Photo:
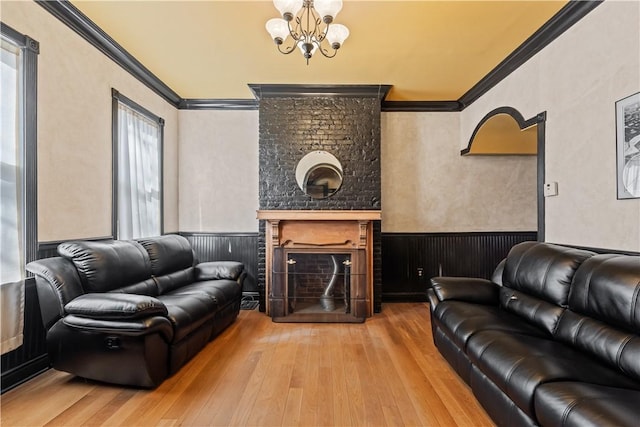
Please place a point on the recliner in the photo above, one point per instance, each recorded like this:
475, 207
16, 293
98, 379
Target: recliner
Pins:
556, 328
133, 312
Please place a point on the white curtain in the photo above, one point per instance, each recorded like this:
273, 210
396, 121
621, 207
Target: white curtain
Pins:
138, 175
12, 261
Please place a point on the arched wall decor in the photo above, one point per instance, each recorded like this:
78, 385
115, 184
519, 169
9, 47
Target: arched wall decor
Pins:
536, 124
503, 131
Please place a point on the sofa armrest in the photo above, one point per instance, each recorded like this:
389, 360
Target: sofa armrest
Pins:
469, 289
115, 306
215, 270
126, 327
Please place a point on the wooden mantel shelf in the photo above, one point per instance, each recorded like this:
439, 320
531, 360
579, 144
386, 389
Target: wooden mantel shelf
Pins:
319, 215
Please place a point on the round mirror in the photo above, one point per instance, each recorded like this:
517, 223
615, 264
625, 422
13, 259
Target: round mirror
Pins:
319, 174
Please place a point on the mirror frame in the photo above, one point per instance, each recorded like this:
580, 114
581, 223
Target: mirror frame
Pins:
311, 162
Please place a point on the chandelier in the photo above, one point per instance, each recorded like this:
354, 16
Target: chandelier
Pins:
309, 23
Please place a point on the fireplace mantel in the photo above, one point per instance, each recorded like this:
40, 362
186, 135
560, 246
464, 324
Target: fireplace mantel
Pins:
320, 215
318, 230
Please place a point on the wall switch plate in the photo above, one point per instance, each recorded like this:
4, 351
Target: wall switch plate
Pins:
550, 189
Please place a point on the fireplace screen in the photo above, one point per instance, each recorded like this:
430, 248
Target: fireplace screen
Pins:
316, 286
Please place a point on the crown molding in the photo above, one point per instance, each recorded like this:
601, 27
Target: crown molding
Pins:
421, 106
310, 90
218, 104
571, 13
89, 30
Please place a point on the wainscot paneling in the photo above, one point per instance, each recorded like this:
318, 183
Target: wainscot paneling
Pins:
409, 260
31, 357
242, 247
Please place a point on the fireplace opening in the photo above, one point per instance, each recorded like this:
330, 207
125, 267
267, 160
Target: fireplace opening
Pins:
317, 286
318, 283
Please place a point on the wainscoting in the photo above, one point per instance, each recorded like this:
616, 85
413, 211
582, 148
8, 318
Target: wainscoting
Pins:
242, 247
31, 358
409, 260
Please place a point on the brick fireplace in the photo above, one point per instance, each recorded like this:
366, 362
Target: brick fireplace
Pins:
343, 120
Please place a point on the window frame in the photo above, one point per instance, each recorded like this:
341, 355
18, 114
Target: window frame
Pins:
117, 98
30, 49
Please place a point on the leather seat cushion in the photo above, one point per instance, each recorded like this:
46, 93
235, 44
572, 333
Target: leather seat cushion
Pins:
574, 404
460, 320
188, 311
518, 364
222, 291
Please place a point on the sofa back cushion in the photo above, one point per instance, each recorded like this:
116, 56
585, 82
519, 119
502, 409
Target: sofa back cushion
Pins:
172, 261
604, 311
108, 266
536, 281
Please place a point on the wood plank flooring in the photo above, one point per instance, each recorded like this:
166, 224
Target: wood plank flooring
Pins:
384, 372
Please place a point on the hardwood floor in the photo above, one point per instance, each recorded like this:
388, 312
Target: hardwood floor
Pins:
384, 372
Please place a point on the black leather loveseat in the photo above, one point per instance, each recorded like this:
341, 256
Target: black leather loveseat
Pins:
552, 340
133, 312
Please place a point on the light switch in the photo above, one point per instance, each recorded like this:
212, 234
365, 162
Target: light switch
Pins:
550, 189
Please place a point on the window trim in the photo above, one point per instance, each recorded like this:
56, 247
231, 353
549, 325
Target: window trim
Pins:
30, 49
117, 97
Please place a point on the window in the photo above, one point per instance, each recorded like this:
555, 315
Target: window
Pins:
137, 154
18, 221
18, 58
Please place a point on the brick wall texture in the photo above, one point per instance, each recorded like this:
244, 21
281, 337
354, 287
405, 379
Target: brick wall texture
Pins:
348, 128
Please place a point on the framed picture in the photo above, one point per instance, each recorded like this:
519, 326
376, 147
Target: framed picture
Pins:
628, 146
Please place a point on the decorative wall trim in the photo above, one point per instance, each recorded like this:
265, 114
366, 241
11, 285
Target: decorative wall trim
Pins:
313, 91
31, 357
409, 260
218, 104
91, 32
510, 111
571, 13
421, 106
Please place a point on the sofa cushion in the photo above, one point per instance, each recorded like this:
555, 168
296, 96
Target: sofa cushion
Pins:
543, 270
188, 311
518, 364
460, 320
109, 265
576, 404
617, 348
172, 261
214, 270
111, 306
604, 315
536, 281
607, 287
534, 310
168, 253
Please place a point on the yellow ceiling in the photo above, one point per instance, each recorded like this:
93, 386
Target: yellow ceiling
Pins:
427, 50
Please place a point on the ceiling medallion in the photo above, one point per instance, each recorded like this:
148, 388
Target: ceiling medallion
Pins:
309, 23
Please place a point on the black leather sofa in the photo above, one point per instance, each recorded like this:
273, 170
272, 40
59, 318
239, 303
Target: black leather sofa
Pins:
133, 312
552, 340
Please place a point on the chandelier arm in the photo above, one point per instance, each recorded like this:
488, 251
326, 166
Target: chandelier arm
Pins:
326, 53
288, 50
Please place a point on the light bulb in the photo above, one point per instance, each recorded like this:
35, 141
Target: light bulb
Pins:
278, 28
328, 8
288, 8
337, 34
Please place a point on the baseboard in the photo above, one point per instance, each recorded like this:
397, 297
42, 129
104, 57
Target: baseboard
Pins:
404, 297
23, 373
